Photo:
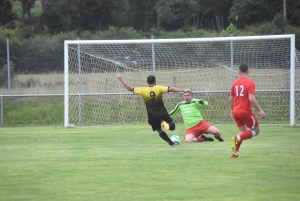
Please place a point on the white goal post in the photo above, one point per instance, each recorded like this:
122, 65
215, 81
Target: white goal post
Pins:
93, 96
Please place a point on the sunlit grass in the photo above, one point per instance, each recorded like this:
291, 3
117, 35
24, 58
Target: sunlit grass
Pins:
134, 163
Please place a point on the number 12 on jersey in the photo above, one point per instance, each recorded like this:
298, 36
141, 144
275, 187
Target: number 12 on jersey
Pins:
239, 90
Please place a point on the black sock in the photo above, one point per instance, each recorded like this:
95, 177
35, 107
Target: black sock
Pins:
166, 138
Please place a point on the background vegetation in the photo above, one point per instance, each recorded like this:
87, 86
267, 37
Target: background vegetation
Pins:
37, 29
29, 18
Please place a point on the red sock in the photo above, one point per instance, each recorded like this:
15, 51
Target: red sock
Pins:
199, 139
246, 135
238, 145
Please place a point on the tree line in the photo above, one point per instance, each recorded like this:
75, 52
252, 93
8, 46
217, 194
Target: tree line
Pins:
57, 16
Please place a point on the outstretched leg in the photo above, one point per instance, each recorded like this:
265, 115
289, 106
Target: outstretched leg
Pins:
165, 137
168, 125
213, 130
193, 138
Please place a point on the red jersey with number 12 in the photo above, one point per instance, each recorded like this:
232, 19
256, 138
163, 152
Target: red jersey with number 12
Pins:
240, 90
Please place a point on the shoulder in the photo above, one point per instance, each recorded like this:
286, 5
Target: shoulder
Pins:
180, 103
137, 89
162, 88
140, 90
249, 82
180, 106
235, 81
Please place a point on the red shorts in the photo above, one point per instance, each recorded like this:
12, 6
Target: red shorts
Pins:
198, 129
250, 121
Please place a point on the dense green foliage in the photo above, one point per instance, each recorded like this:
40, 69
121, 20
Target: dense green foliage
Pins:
132, 163
56, 16
7, 16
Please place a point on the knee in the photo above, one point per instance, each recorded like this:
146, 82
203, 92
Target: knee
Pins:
257, 130
215, 131
188, 138
172, 126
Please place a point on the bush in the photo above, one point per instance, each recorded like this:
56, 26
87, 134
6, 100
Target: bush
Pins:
116, 33
4, 75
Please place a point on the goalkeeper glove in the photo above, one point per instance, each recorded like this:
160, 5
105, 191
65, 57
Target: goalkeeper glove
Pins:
201, 102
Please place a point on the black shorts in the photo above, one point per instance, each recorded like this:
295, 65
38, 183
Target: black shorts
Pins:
156, 123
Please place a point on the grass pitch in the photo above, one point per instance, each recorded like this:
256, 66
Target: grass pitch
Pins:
134, 163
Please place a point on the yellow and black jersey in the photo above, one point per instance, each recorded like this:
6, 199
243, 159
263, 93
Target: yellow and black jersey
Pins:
154, 100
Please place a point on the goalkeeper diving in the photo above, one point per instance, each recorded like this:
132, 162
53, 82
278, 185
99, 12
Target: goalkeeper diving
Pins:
196, 126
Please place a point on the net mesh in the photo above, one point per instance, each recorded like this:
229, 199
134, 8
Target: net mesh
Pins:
96, 97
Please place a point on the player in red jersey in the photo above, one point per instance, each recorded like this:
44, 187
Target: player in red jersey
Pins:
241, 101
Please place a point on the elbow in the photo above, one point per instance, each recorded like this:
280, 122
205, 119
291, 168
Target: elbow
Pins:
252, 98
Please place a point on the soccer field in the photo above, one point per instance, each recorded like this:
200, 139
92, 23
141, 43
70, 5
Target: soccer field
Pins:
133, 163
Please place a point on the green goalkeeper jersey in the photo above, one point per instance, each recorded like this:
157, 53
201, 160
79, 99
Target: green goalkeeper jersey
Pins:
190, 112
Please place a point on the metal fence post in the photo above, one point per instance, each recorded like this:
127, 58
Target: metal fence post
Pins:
1, 108
231, 60
8, 66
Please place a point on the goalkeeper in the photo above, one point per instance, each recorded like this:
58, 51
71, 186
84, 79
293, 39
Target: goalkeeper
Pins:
195, 124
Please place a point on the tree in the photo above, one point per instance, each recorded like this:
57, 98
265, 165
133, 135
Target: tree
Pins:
177, 14
186, 11
293, 12
26, 7
213, 14
56, 15
7, 17
68, 15
248, 12
141, 14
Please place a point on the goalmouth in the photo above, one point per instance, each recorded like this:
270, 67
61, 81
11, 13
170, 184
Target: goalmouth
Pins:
93, 96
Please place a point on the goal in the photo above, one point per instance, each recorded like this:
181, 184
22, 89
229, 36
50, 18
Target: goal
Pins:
93, 96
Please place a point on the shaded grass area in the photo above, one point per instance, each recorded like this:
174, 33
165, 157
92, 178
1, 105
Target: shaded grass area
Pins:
133, 163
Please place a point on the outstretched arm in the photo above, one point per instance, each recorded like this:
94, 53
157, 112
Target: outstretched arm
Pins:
175, 89
126, 85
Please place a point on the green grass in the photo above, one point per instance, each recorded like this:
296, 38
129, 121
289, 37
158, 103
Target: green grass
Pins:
32, 111
133, 163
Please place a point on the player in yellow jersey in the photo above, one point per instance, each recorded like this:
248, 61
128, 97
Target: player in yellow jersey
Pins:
156, 110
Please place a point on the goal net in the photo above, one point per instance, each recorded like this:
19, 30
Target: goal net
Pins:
93, 95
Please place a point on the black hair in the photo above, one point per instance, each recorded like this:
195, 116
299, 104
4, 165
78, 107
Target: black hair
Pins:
151, 79
243, 68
